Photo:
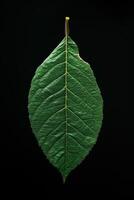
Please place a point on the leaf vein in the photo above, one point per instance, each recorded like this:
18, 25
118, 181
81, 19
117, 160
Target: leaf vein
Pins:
79, 98
51, 132
78, 142
53, 144
50, 117
80, 72
81, 120
82, 86
77, 130
49, 97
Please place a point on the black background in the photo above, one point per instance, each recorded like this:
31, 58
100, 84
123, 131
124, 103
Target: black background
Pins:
30, 31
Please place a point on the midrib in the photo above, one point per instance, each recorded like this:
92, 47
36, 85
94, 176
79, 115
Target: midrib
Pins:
66, 54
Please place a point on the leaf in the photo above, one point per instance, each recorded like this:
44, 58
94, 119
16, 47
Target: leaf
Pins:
65, 106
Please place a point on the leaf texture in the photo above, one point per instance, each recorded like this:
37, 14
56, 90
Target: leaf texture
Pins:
65, 107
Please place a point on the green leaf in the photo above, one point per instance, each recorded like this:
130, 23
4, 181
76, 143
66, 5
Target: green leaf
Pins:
65, 107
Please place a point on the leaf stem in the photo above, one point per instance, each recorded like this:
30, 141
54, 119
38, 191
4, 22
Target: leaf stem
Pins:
66, 26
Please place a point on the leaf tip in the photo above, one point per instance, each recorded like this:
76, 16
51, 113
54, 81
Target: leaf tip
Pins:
64, 179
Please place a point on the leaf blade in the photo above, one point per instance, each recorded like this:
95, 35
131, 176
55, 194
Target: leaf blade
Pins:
65, 107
